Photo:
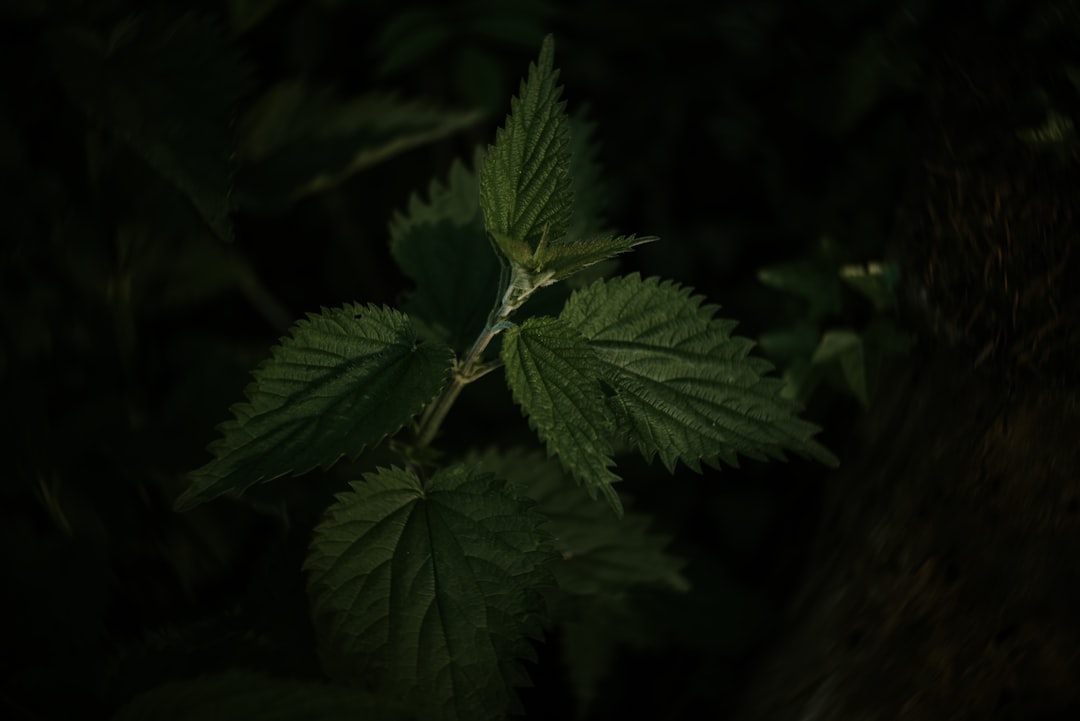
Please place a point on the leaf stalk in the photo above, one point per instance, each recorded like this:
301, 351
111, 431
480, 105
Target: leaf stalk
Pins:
522, 284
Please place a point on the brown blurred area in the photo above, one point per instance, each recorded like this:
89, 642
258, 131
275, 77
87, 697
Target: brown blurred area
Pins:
945, 582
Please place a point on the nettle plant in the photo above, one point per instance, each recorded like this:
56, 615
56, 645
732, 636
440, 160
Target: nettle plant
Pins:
428, 581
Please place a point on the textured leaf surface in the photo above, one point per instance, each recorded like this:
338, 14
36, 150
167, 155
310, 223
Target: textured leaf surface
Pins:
298, 140
441, 245
525, 185
429, 592
166, 88
602, 561
685, 388
345, 378
555, 378
601, 555
249, 695
564, 258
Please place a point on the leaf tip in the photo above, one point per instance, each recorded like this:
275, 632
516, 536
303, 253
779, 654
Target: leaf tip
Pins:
612, 497
547, 52
826, 456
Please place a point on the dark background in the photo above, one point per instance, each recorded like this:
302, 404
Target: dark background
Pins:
744, 134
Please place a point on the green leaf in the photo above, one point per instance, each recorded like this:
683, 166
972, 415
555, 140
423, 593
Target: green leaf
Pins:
442, 247
298, 140
786, 345
563, 259
243, 694
457, 201
601, 555
555, 378
525, 184
684, 387
801, 379
167, 89
345, 378
845, 347
808, 281
527, 188
430, 591
602, 562
857, 355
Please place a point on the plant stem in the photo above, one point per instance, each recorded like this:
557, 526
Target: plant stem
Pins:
436, 412
521, 286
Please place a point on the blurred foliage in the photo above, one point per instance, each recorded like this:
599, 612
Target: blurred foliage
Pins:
811, 349
136, 138
463, 40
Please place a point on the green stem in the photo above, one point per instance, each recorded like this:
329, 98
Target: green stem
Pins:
520, 287
436, 412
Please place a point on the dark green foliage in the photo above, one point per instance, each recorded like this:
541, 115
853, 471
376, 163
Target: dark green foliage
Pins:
428, 590
810, 351
426, 587
601, 555
133, 138
460, 44
168, 87
684, 387
555, 378
297, 140
526, 190
441, 245
345, 379
604, 561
